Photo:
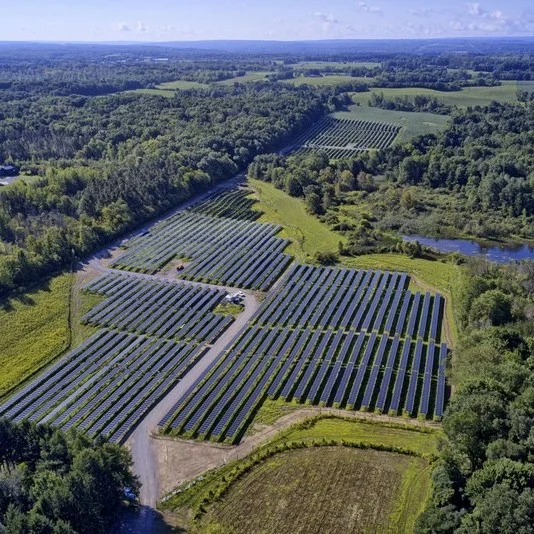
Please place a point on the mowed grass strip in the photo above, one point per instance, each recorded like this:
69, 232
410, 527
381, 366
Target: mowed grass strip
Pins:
329, 79
35, 329
308, 234
324, 489
420, 440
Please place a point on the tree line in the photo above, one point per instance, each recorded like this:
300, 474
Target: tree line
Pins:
60, 483
484, 479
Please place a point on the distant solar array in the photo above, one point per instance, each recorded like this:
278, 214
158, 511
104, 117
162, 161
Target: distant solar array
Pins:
157, 331
223, 251
335, 337
343, 138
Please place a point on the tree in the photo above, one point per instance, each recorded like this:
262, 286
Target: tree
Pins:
492, 307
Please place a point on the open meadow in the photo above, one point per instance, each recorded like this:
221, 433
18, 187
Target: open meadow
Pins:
468, 96
325, 489
35, 329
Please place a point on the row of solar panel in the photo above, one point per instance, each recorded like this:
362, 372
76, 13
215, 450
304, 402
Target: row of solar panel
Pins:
224, 251
351, 370
345, 298
106, 385
161, 309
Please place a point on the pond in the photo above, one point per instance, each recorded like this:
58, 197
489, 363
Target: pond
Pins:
496, 253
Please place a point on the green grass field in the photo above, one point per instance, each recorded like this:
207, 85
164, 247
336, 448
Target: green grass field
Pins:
326, 489
412, 123
307, 233
37, 329
181, 84
468, 96
330, 79
34, 330
252, 76
406, 493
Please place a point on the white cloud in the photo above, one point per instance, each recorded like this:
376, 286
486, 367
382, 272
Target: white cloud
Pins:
422, 12
123, 27
141, 27
326, 18
473, 8
370, 9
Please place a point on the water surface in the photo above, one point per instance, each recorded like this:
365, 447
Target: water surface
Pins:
496, 253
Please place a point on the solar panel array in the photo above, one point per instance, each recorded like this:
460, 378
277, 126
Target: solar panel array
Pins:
219, 250
156, 331
344, 138
157, 308
234, 204
335, 337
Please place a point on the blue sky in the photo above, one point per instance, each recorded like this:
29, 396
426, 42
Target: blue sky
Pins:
166, 20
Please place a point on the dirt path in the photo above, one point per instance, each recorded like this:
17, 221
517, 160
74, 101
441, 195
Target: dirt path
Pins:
181, 460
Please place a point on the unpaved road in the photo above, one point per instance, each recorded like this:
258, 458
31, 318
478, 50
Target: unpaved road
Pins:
141, 443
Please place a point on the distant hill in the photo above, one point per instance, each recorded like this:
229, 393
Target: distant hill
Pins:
352, 47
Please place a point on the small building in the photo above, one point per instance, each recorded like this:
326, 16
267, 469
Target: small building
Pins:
8, 170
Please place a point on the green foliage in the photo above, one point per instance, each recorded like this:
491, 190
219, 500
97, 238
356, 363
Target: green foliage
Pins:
60, 483
485, 479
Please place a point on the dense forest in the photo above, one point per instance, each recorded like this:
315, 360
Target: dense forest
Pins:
103, 165
53, 482
484, 480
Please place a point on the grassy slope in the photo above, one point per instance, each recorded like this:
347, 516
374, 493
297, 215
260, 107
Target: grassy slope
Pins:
340, 489
307, 233
34, 330
468, 96
413, 123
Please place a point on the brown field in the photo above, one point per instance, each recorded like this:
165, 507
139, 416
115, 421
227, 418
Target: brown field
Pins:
324, 490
